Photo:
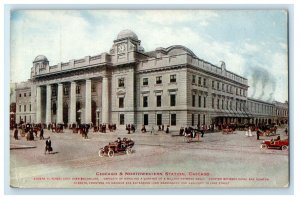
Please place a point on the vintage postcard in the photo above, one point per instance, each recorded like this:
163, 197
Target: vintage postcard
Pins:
149, 99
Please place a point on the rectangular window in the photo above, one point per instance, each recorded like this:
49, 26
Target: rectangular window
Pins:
159, 119
236, 106
213, 103
121, 102
20, 108
240, 91
20, 95
223, 87
93, 88
199, 101
66, 90
227, 88
173, 119
198, 119
24, 108
204, 120
159, 80
121, 82
24, 94
199, 81
145, 119
204, 102
145, 101
122, 119
227, 105
218, 103
213, 84
29, 94
192, 119
193, 100
204, 82
218, 86
145, 81
158, 100
222, 104
172, 78
25, 119
77, 89
172, 100
29, 107
194, 79
230, 105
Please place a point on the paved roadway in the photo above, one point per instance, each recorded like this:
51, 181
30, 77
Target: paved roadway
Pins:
218, 157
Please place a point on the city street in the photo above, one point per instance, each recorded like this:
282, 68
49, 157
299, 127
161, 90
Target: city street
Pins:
216, 160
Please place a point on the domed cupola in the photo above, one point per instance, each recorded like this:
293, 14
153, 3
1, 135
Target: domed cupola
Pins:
124, 34
40, 64
125, 47
40, 58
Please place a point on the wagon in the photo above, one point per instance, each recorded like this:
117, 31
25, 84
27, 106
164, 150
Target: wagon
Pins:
277, 144
124, 146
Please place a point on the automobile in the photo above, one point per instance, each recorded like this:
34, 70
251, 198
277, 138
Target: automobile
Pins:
117, 146
275, 143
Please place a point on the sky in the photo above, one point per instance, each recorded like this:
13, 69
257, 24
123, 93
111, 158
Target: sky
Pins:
252, 43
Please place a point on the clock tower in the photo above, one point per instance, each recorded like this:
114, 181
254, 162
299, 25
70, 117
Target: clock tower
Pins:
125, 47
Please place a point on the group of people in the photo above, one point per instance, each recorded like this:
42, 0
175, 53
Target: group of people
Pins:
82, 129
58, 128
130, 128
30, 131
102, 128
160, 128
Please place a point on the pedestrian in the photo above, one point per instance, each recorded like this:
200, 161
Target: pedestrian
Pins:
86, 131
143, 129
48, 147
167, 130
152, 130
202, 131
249, 132
286, 131
16, 134
41, 134
257, 134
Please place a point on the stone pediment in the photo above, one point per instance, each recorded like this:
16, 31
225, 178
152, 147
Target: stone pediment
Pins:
121, 92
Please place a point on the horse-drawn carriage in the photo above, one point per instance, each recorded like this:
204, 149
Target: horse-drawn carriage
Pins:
268, 130
191, 135
229, 129
119, 145
275, 143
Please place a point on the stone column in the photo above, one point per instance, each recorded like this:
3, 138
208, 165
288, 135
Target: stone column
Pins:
48, 104
60, 104
105, 99
72, 118
88, 101
38, 104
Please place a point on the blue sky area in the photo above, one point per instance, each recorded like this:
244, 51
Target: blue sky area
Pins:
251, 43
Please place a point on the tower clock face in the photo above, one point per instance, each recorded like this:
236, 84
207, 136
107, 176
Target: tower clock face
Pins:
121, 48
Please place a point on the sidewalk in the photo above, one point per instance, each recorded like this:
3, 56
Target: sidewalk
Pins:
19, 146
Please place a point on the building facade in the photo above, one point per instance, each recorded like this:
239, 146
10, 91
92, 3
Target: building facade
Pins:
127, 85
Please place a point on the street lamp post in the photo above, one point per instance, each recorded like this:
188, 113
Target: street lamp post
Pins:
79, 118
98, 119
